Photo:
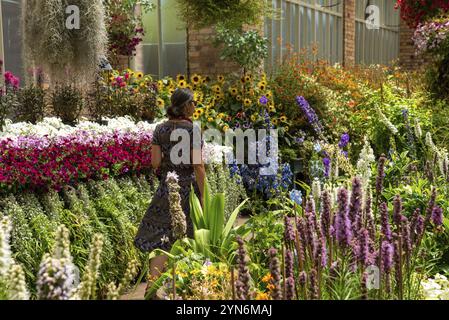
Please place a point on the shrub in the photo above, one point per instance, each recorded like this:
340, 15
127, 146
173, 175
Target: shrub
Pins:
67, 103
31, 105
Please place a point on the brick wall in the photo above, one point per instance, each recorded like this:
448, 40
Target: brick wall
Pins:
407, 57
349, 32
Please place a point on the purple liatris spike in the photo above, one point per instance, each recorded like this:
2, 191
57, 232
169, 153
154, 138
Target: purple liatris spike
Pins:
314, 285
323, 252
302, 279
419, 228
365, 256
430, 206
397, 210
380, 176
289, 233
326, 214
385, 224
302, 231
355, 207
342, 222
437, 216
387, 256
243, 282
275, 269
289, 273
310, 233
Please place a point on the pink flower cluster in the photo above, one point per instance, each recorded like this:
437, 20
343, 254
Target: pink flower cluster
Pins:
11, 80
40, 163
429, 36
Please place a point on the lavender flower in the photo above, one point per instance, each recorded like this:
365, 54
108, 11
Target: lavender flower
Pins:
342, 222
364, 251
355, 207
327, 167
275, 269
437, 216
310, 114
326, 214
314, 285
344, 141
397, 211
243, 282
430, 206
289, 234
263, 100
419, 228
289, 273
385, 224
387, 256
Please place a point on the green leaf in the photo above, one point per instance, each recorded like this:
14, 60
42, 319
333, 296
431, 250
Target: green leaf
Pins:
216, 218
196, 212
232, 219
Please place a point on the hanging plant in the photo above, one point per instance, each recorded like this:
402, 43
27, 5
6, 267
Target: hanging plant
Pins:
233, 14
61, 52
124, 27
415, 12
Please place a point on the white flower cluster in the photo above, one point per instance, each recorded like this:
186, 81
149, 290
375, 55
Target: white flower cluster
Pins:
387, 122
366, 159
436, 289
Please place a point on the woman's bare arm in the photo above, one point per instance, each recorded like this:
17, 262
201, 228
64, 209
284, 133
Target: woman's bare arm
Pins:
156, 156
200, 173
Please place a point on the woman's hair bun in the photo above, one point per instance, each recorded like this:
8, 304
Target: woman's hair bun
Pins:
179, 99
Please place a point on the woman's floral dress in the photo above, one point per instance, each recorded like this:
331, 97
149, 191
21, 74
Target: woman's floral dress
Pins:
155, 231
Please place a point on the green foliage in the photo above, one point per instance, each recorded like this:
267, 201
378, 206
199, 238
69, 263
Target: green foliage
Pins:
233, 14
67, 103
31, 104
8, 102
247, 49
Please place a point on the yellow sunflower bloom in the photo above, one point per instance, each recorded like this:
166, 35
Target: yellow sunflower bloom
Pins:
221, 78
196, 79
196, 116
283, 119
247, 102
139, 75
160, 103
171, 90
275, 121
286, 128
248, 78
221, 116
269, 94
262, 85
200, 111
182, 84
233, 91
216, 89
239, 98
180, 77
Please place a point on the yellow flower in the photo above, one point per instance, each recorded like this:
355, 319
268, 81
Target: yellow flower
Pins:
171, 90
139, 75
286, 128
216, 89
180, 77
136, 90
239, 98
233, 91
271, 109
262, 85
142, 84
210, 119
221, 116
283, 119
262, 296
267, 278
225, 128
269, 94
248, 78
200, 111
182, 84
275, 121
251, 92
221, 78
196, 116
247, 102
189, 87
196, 79
160, 103
253, 118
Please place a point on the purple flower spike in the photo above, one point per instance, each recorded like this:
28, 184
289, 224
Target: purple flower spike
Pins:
310, 114
289, 234
355, 207
385, 224
437, 216
387, 256
342, 222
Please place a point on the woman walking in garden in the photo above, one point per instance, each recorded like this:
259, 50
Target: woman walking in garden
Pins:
155, 231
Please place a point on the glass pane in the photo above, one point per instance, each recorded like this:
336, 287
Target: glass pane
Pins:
11, 38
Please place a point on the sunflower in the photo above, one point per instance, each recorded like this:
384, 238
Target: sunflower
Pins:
139, 75
196, 79
275, 121
239, 98
171, 90
182, 84
283, 119
233, 91
180, 77
248, 78
247, 102
216, 89
262, 85
210, 119
200, 111
271, 109
196, 116
221, 78
142, 84
286, 128
253, 118
220, 115
160, 103
189, 87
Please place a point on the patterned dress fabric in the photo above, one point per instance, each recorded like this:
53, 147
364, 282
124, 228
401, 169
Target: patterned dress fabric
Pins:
155, 231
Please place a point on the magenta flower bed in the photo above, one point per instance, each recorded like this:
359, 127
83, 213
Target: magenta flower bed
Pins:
40, 163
